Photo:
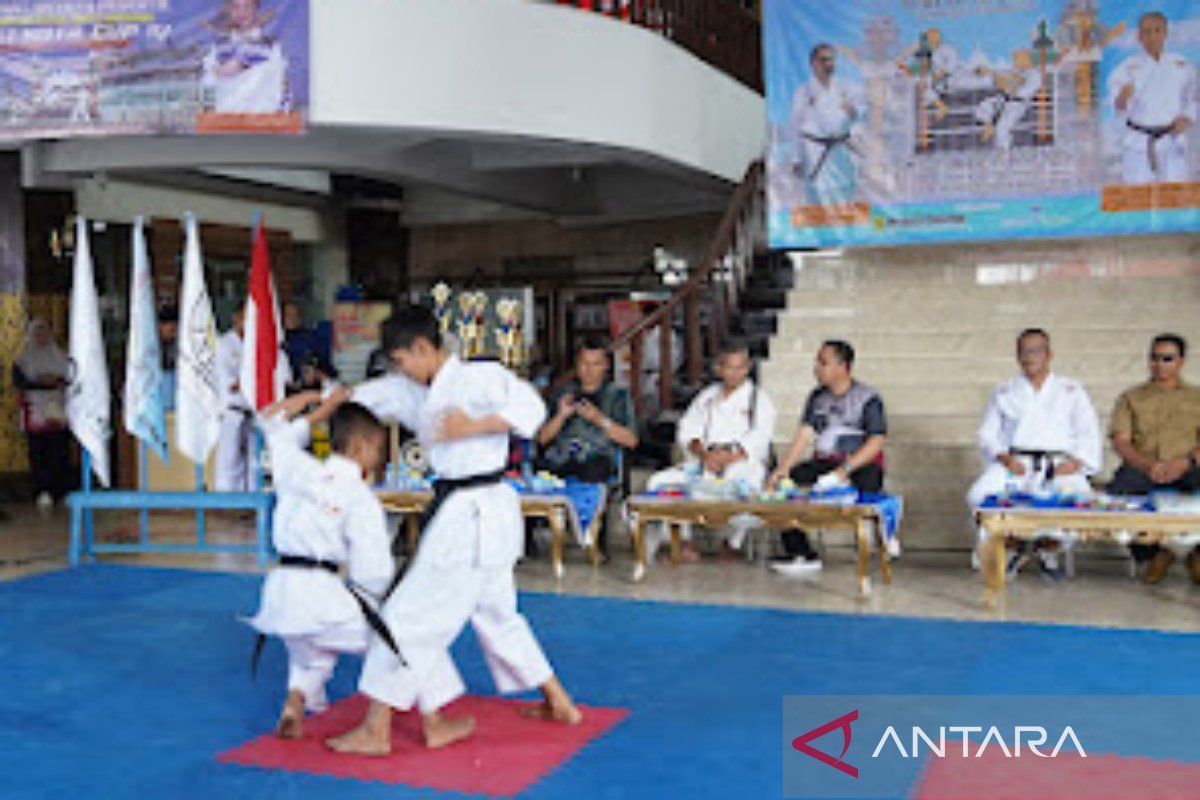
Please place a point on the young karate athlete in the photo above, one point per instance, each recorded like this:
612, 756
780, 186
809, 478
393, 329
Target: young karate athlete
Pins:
326, 519
463, 571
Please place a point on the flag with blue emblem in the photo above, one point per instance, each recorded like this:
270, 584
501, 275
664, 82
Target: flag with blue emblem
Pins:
145, 401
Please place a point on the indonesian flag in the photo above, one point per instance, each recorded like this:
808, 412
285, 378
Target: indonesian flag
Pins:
265, 370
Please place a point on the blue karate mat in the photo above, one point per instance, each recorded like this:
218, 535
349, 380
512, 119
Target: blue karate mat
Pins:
125, 682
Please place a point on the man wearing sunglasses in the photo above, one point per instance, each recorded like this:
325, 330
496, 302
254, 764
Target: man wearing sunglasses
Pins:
1156, 432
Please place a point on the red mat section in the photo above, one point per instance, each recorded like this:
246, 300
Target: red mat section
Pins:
1067, 777
506, 754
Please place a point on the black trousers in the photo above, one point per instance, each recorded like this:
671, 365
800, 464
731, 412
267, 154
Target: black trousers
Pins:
866, 479
50, 463
1130, 480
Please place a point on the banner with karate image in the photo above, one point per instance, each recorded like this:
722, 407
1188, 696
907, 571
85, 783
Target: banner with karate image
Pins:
908, 121
87, 67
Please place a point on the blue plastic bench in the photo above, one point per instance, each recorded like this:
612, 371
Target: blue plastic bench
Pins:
83, 543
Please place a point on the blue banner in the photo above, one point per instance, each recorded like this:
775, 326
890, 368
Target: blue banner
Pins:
908, 121
87, 67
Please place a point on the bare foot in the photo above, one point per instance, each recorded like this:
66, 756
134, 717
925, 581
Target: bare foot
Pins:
688, 554
365, 740
291, 719
441, 731
567, 714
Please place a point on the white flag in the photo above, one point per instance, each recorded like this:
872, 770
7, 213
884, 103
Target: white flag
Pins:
145, 403
197, 397
88, 401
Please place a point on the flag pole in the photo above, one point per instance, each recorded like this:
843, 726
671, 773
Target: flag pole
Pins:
200, 510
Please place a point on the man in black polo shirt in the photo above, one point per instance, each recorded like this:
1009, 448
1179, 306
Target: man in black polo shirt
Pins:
844, 421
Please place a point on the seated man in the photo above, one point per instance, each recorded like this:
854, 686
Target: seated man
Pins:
1156, 432
1039, 433
725, 433
591, 417
845, 422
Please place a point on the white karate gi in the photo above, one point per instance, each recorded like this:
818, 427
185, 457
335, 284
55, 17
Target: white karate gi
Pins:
715, 418
260, 87
324, 511
1006, 111
464, 566
1058, 417
1163, 91
235, 440
823, 118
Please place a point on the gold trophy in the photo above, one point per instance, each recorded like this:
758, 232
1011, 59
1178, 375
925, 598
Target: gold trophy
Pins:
441, 305
509, 335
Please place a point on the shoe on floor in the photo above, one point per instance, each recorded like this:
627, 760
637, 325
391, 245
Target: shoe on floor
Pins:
798, 567
45, 501
1159, 564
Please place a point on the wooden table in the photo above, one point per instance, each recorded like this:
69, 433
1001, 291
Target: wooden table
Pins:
1000, 524
554, 508
863, 520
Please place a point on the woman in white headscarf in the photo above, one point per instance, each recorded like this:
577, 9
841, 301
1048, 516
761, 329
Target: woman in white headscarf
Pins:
41, 374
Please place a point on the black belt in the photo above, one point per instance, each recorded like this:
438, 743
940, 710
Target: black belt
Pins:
369, 613
827, 144
1041, 457
1005, 98
1153, 133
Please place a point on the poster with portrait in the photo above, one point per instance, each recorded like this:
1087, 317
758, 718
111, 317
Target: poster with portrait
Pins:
111, 67
908, 121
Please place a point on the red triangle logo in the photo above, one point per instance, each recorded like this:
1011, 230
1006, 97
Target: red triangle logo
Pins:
842, 723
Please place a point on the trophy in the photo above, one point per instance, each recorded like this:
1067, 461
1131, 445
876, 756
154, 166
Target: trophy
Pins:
441, 305
509, 335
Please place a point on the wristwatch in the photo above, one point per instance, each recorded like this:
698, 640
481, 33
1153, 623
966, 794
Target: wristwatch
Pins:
605, 424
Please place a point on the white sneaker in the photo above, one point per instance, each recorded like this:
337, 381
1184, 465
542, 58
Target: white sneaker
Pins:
45, 501
893, 547
799, 567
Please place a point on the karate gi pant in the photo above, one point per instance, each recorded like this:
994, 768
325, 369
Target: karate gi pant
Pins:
996, 479
235, 449
425, 615
739, 527
1170, 151
312, 658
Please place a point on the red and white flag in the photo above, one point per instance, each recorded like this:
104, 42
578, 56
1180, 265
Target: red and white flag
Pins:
265, 369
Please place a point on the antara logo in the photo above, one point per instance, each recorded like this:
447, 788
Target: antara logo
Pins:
1034, 736
1031, 736
842, 723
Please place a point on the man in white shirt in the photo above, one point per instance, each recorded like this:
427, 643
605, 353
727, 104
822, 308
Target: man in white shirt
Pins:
725, 434
1154, 96
235, 441
1039, 433
326, 516
462, 413
824, 113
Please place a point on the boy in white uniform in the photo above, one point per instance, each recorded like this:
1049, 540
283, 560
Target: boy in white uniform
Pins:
463, 571
326, 517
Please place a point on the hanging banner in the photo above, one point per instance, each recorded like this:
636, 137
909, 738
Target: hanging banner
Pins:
86, 67
905, 121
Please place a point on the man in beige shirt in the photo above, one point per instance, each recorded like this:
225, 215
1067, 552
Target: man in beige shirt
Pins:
1156, 432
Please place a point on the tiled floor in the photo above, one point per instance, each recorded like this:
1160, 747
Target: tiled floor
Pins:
935, 585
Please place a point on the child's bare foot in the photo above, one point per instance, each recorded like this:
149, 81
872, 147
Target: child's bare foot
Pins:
441, 731
372, 738
557, 705
291, 719
566, 714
